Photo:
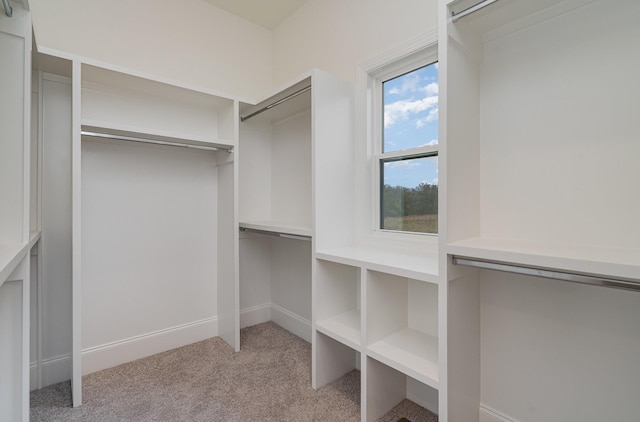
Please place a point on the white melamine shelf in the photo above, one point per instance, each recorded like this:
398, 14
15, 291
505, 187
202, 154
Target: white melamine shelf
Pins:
119, 129
410, 352
344, 328
34, 237
10, 256
606, 262
402, 263
277, 227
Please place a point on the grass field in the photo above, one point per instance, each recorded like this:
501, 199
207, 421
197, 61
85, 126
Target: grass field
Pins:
427, 223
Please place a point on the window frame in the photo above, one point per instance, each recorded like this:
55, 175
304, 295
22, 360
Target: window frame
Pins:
422, 58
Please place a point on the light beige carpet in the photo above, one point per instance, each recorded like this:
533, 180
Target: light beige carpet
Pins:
268, 380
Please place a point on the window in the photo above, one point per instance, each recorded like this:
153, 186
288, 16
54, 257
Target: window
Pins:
407, 149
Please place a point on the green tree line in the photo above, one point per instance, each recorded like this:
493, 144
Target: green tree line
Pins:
398, 201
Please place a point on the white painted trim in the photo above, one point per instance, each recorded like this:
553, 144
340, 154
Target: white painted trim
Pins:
283, 317
104, 65
400, 52
488, 414
52, 371
255, 315
126, 350
291, 322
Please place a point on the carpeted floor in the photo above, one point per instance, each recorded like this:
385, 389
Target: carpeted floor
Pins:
268, 380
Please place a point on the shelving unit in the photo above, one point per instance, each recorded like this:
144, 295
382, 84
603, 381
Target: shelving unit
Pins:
275, 163
499, 138
275, 156
535, 176
15, 213
176, 198
402, 328
337, 296
283, 140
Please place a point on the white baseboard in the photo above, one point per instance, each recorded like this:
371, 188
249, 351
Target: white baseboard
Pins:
255, 315
291, 322
127, 350
281, 316
488, 414
54, 370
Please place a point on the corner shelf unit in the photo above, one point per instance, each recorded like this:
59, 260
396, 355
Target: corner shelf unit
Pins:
112, 109
575, 220
535, 176
378, 311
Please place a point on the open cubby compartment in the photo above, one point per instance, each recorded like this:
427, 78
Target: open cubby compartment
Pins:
332, 359
402, 325
337, 302
275, 164
129, 104
275, 282
386, 387
539, 167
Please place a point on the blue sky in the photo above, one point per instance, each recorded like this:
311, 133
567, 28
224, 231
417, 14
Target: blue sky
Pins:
411, 120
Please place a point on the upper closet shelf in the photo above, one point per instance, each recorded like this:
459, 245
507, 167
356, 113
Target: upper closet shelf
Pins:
402, 263
277, 228
605, 262
10, 256
103, 130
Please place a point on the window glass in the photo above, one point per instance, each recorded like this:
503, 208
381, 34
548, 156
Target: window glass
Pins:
410, 117
409, 194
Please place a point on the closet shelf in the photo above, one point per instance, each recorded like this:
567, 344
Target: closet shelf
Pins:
410, 352
344, 328
34, 237
118, 129
605, 262
10, 256
402, 263
277, 227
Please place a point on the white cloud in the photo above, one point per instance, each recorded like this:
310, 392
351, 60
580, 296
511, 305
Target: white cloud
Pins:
431, 89
431, 117
430, 143
409, 84
403, 109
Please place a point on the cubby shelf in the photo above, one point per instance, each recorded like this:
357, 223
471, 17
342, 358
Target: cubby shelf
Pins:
277, 227
624, 263
344, 328
410, 352
402, 263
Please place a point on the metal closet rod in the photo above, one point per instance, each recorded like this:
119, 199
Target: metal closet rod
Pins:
472, 9
151, 141
276, 234
620, 283
8, 10
276, 103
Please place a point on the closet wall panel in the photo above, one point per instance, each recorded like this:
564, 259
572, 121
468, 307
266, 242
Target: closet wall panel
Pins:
149, 242
56, 230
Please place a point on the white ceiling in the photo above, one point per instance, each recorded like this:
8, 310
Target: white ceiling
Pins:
266, 13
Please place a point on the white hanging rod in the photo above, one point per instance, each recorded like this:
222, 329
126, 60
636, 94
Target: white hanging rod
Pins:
151, 141
472, 9
277, 234
276, 103
8, 10
620, 283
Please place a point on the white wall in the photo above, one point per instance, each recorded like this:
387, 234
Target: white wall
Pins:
149, 240
554, 351
56, 230
336, 35
188, 41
